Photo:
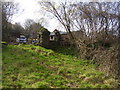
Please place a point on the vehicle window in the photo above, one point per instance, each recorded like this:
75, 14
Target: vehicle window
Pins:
22, 37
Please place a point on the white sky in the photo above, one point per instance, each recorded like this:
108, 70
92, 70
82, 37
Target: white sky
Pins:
30, 9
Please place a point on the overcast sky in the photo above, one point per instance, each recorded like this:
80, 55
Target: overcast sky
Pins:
30, 9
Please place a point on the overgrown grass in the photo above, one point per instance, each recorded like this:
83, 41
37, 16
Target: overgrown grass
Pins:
28, 66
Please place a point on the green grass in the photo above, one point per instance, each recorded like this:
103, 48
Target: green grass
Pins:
28, 66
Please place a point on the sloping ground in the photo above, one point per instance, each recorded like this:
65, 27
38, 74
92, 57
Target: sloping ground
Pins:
28, 66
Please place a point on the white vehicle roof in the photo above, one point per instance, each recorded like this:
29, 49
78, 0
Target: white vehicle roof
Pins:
22, 36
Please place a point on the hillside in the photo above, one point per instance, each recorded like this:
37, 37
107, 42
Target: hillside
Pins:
28, 66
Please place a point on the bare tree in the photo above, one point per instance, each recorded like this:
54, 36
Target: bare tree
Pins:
32, 27
8, 10
96, 27
62, 14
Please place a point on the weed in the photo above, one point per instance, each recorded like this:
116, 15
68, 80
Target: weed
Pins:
29, 66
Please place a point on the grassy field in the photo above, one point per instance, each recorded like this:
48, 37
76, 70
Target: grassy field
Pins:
28, 66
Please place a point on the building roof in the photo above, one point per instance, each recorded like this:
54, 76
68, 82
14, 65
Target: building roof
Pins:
52, 33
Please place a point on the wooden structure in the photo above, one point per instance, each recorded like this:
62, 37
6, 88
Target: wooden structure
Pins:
61, 38
43, 38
